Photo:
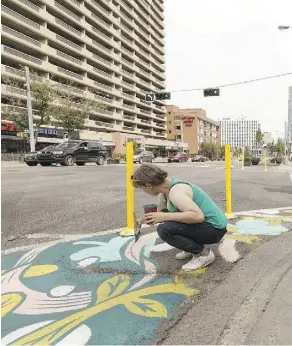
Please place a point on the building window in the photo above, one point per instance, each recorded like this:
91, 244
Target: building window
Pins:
169, 131
169, 122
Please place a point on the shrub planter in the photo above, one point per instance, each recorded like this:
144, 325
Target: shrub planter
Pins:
279, 160
255, 160
112, 161
247, 162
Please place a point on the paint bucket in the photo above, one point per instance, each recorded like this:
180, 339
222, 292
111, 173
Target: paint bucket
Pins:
150, 208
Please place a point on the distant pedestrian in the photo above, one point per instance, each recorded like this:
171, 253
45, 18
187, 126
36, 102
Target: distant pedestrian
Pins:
188, 218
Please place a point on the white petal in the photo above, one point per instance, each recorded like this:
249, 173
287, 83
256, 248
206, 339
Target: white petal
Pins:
86, 262
60, 291
79, 336
16, 334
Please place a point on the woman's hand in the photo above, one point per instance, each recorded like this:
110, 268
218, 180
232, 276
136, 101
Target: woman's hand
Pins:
141, 221
153, 218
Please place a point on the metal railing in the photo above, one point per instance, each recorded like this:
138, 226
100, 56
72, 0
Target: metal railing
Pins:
69, 73
68, 27
30, 4
70, 13
69, 43
22, 55
18, 16
68, 57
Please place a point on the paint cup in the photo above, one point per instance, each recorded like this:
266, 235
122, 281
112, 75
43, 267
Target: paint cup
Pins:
150, 208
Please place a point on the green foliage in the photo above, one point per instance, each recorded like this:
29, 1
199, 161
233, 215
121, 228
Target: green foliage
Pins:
247, 154
43, 95
280, 147
212, 150
259, 138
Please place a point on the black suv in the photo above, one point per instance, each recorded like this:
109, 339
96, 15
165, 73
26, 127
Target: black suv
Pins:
68, 153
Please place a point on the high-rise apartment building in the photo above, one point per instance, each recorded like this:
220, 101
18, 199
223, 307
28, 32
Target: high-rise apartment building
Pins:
239, 132
289, 124
111, 51
191, 126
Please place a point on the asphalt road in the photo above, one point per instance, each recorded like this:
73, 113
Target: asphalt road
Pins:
77, 200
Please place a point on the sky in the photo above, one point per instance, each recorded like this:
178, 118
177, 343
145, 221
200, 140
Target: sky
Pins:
215, 42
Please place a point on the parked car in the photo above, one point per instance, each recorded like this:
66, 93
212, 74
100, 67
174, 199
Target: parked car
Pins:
198, 158
68, 153
141, 156
178, 157
31, 159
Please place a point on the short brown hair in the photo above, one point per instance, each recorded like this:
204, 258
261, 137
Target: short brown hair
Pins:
148, 175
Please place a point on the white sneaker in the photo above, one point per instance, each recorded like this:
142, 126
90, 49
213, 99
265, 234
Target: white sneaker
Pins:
199, 262
183, 255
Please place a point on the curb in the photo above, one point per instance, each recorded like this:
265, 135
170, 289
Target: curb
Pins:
212, 318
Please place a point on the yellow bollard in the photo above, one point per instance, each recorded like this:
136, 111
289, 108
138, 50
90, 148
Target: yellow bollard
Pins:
242, 160
229, 215
129, 231
265, 161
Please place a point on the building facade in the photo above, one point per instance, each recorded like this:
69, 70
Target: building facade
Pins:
239, 132
191, 126
111, 51
289, 124
267, 138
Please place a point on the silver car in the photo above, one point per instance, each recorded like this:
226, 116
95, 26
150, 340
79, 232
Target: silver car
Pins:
143, 156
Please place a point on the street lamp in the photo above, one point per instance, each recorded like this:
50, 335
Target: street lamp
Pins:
284, 27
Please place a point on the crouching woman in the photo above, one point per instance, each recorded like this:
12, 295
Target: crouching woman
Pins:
188, 218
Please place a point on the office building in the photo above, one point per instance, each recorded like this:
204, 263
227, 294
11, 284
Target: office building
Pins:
111, 51
267, 138
191, 126
239, 132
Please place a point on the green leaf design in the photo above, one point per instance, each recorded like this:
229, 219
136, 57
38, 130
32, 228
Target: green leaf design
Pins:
112, 287
146, 307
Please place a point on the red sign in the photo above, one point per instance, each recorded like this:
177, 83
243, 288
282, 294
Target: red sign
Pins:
187, 120
8, 128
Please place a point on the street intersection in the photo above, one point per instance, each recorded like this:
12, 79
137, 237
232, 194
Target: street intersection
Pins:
68, 277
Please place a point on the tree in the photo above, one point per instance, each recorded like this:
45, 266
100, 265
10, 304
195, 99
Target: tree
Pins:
259, 138
280, 147
70, 111
43, 96
15, 107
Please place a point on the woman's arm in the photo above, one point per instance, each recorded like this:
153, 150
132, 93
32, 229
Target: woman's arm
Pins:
180, 197
162, 202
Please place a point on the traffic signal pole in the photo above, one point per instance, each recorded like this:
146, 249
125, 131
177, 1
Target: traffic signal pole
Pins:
29, 110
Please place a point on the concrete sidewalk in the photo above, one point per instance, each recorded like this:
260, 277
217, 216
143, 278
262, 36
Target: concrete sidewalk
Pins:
252, 306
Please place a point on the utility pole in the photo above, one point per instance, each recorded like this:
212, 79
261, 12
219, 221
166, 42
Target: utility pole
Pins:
29, 110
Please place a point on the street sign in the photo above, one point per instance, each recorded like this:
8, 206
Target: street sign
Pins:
150, 97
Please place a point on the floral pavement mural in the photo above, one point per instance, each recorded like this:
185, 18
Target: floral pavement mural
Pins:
105, 289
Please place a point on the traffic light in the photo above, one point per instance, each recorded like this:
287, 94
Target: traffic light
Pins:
162, 96
150, 97
211, 92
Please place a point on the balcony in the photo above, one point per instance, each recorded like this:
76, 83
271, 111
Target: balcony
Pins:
69, 43
21, 55
23, 37
68, 12
145, 131
97, 31
70, 73
30, 5
103, 99
132, 97
101, 72
101, 8
129, 118
102, 47
7, 89
103, 86
106, 62
128, 106
144, 121
12, 70
69, 57
128, 73
103, 124
131, 86
143, 111
68, 27
19, 17
128, 128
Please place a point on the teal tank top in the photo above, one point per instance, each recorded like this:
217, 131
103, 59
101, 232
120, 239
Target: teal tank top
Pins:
213, 214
